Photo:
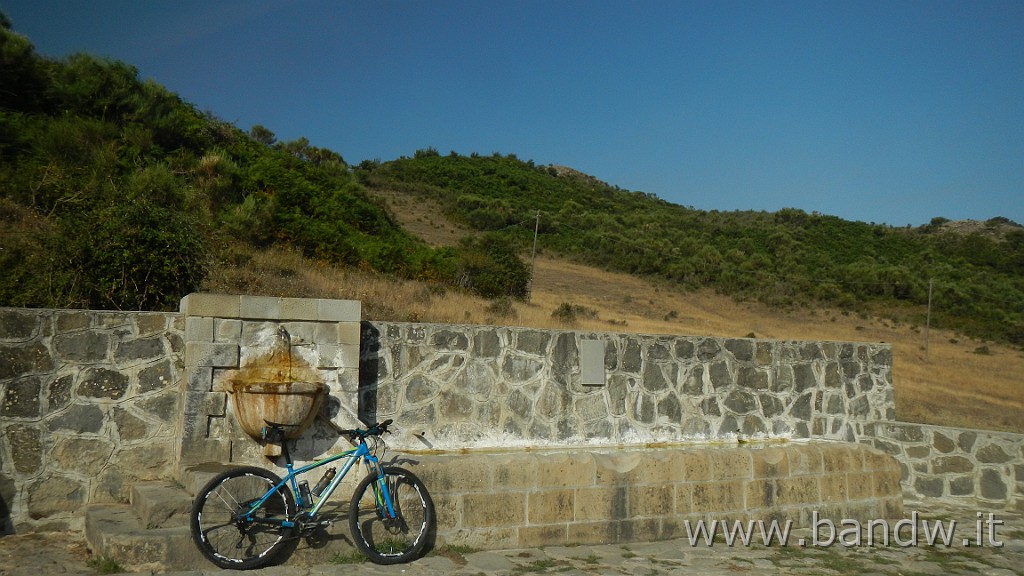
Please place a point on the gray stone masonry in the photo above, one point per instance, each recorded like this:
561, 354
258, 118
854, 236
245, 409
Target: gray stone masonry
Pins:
93, 402
974, 466
464, 386
89, 404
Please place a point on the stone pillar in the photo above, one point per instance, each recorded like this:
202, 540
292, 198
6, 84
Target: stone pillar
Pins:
222, 332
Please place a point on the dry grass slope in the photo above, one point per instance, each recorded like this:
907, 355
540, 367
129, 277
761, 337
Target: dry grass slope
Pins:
956, 382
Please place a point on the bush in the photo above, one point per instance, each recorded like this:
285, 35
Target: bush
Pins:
131, 256
489, 267
569, 314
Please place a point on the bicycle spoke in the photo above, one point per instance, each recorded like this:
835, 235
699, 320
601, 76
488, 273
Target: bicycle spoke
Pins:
389, 540
226, 528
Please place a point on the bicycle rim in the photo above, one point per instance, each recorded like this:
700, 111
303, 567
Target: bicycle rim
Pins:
234, 544
385, 540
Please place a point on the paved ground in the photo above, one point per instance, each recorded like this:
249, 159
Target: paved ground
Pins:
42, 555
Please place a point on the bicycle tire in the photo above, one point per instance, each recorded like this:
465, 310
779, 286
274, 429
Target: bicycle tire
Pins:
387, 541
237, 545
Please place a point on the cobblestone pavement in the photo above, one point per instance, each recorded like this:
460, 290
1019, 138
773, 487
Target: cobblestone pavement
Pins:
1001, 553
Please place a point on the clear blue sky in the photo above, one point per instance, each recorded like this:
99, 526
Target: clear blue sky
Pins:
881, 111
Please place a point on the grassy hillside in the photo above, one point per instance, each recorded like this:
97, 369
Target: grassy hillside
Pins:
788, 259
116, 194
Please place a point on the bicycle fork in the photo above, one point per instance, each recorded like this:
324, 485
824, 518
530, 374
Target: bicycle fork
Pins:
386, 506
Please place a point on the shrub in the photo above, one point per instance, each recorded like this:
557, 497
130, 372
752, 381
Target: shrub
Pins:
489, 266
567, 313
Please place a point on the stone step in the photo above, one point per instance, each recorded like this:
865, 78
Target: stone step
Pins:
161, 504
152, 532
114, 531
194, 478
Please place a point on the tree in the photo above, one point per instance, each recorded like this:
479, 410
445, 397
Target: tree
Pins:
262, 135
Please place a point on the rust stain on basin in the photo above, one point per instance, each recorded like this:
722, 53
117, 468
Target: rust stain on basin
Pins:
276, 387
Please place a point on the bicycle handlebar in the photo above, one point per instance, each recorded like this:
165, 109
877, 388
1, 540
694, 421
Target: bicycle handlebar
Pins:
377, 429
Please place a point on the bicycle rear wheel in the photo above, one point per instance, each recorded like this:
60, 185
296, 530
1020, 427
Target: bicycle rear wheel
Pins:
224, 537
392, 540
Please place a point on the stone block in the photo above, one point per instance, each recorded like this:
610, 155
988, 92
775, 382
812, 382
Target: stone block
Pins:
838, 458
804, 459
770, 462
217, 355
771, 493
201, 450
339, 310
86, 347
21, 398
696, 465
718, 496
918, 452
951, 465
566, 469
603, 532
227, 330
485, 538
885, 483
129, 426
640, 530
727, 464
601, 503
349, 356
348, 333
213, 305
992, 454
157, 377
98, 382
651, 500
205, 403
78, 418
835, 488
513, 473
328, 356
452, 474
929, 486
447, 508
962, 486
86, 456
537, 536
484, 510
259, 307
861, 485
25, 445
659, 467
53, 495
199, 329
993, 485
139, 349
942, 443
147, 323
550, 506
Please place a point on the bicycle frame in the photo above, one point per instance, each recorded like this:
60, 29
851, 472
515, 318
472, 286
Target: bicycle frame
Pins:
361, 452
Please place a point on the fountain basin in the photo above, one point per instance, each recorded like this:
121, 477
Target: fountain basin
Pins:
293, 404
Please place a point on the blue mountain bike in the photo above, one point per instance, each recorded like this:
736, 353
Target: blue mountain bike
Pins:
248, 517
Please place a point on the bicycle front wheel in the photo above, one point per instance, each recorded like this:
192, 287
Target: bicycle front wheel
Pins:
221, 530
392, 540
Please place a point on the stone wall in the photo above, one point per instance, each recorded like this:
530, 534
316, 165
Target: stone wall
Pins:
973, 465
89, 404
459, 386
586, 496
93, 401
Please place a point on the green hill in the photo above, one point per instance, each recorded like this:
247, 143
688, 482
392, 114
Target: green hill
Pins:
787, 258
115, 193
